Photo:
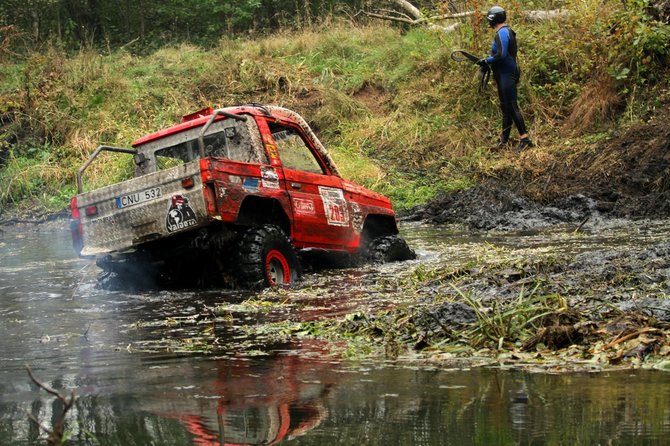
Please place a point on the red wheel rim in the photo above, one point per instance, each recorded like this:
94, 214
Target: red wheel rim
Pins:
277, 269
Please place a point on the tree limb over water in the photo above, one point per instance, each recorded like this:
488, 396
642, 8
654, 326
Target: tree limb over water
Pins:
56, 435
406, 12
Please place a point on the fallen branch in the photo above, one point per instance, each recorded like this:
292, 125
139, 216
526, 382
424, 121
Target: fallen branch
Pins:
56, 435
394, 18
629, 336
409, 8
416, 18
129, 43
581, 225
539, 16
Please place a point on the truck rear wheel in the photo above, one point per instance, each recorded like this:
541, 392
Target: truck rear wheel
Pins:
389, 248
266, 258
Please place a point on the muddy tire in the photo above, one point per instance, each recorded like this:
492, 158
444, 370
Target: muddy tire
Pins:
389, 248
266, 258
113, 281
109, 281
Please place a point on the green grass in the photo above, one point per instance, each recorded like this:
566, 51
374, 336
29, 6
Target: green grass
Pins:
397, 114
36, 176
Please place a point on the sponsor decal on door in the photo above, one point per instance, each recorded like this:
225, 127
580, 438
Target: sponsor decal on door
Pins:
334, 206
269, 178
303, 206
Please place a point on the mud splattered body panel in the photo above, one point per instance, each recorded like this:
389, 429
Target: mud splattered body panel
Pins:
142, 209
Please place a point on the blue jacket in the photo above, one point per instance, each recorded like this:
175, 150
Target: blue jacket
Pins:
503, 52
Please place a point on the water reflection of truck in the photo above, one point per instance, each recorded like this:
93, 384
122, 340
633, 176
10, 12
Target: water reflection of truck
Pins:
254, 402
242, 187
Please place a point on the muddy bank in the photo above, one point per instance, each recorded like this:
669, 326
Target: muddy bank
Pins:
535, 308
488, 207
54, 221
492, 207
625, 175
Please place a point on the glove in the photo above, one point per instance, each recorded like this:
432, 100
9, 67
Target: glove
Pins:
482, 62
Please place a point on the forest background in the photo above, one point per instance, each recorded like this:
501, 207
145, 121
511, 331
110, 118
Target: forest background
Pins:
374, 79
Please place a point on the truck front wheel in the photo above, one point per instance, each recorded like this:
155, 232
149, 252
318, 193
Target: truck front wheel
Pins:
266, 258
389, 248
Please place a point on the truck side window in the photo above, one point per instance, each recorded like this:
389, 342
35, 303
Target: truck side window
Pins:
215, 145
173, 156
240, 146
232, 141
293, 151
226, 139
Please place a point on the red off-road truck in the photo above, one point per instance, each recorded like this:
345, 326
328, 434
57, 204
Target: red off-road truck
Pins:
236, 196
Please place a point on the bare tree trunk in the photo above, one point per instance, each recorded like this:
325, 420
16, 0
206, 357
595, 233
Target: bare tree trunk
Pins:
59, 28
308, 15
410, 14
126, 19
36, 24
95, 22
141, 4
409, 8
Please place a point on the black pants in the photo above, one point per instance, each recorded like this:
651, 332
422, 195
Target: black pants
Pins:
511, 114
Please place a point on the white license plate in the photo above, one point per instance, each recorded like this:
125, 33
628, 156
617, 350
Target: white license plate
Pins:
138, 197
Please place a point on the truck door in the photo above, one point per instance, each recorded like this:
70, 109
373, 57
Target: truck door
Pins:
320, 212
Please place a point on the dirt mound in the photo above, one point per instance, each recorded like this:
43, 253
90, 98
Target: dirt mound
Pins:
489, 207
632, 171
626, 176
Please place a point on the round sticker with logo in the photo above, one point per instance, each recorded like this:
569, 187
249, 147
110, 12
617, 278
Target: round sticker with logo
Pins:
180, 215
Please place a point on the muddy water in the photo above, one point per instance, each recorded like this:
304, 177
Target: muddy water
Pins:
215, 367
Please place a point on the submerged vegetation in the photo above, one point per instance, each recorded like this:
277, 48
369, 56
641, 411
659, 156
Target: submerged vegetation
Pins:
398, 115
538, 308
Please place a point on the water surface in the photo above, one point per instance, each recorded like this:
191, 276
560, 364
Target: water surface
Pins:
150, 368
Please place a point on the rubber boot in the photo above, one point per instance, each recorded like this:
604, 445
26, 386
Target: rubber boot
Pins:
524, 143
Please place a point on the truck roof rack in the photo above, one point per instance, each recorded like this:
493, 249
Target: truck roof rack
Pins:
199, 114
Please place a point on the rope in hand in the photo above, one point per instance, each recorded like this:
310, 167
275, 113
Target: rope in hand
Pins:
484, 70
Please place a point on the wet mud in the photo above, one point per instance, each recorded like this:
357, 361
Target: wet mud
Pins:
545, 308
488, 207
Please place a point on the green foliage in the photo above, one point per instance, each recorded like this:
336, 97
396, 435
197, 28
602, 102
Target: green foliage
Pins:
640, 43
509, 322
76, 24
623, 39
36, 176
398, 115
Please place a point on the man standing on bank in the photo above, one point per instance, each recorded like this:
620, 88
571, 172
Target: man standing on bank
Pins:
506, 74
